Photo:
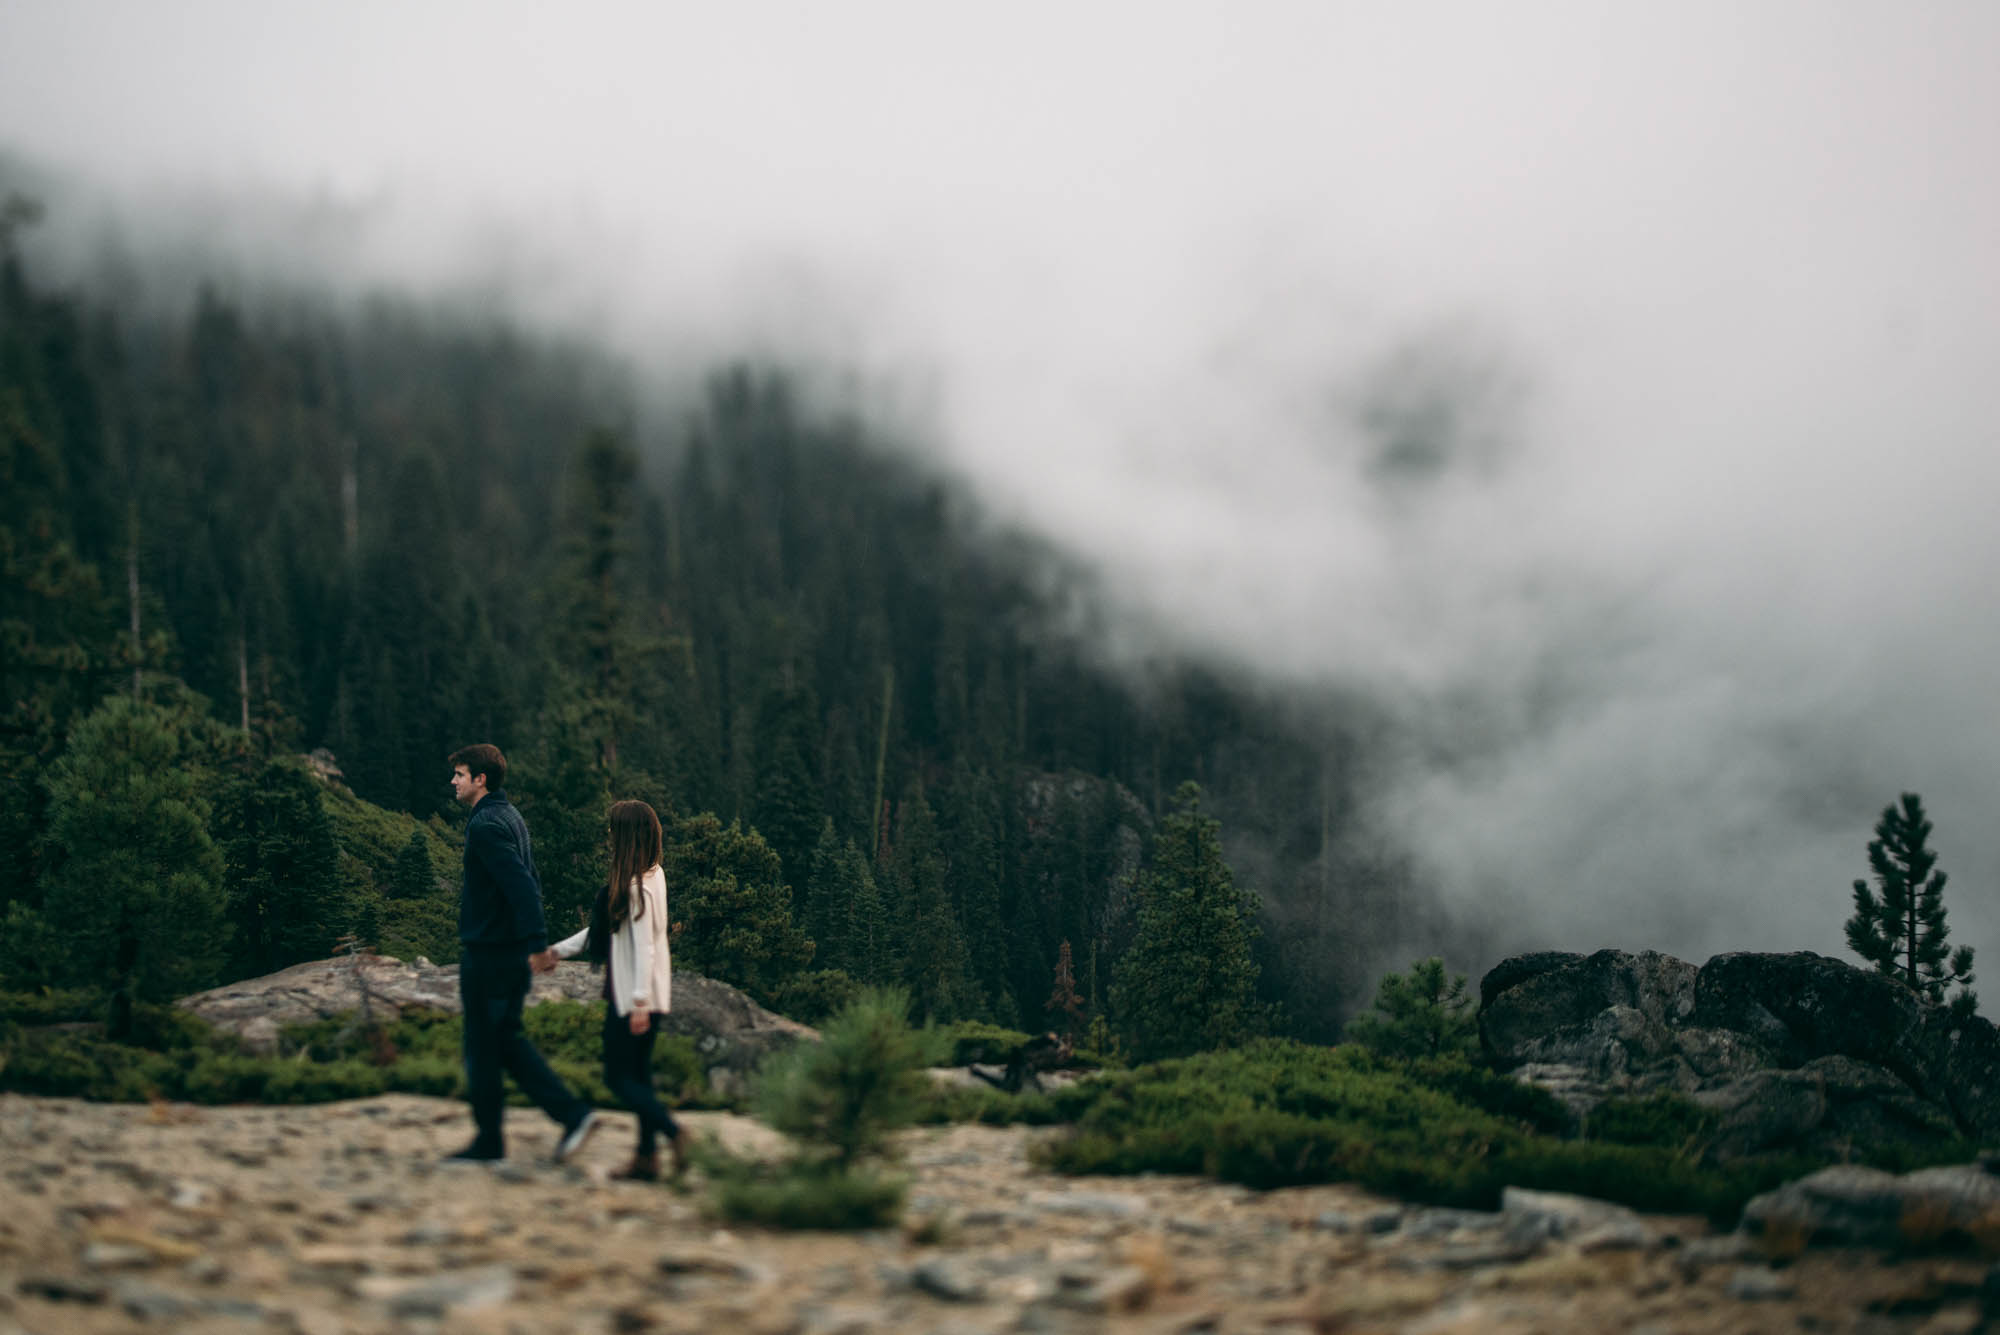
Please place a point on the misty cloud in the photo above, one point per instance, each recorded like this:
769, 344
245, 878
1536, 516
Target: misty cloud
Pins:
1605, 396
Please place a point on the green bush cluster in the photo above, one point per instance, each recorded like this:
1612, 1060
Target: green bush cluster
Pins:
1488, 1090
973, 1041
49, 1006
991, 1107
172, 1054
1666, 1119
1279, 1113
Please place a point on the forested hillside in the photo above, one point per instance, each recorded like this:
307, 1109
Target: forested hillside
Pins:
259, 528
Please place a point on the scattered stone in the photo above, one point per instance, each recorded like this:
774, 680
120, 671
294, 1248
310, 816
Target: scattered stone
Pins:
1752, 1284
1561, 1214
1124, 1288
948, 1278
713, 1261
1375, 1297
1474, 1255
1106, 1205
144, 1302
390, 1244
995, 1219
205, 1270
156, 1246
436, 1295
115, 1256
1433, 1223
188, 1195
1955, 1319
1615, 1235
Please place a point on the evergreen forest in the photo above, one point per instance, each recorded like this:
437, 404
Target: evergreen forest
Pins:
268, 559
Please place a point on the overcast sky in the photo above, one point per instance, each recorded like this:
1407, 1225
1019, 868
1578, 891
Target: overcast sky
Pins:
1612, 391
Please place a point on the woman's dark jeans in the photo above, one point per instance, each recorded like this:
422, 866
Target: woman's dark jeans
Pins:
628, 1070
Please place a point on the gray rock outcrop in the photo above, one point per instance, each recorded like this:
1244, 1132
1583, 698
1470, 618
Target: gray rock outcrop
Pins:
1850, 1205
731, 1032
1788, 1050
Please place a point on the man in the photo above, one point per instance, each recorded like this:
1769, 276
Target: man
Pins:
499, 926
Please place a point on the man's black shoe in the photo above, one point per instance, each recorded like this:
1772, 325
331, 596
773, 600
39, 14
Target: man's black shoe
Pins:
474, 1154
573, 1138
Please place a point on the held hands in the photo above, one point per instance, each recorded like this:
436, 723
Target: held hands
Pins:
642, 1020
542, 961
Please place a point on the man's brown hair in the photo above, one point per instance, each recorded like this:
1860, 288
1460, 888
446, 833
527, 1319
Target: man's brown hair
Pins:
481, 758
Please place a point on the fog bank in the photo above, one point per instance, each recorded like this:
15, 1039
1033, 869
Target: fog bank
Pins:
1607, 396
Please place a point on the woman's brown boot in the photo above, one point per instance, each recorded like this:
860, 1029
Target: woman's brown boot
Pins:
678, 1145
643, 1168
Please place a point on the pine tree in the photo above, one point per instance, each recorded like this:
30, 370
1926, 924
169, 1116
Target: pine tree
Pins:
1420, 1014
843, 912
785, 802
58, 641
1900, 927
565, 796
973, 828
731, 911
414, 876
135, 900
405, 662
598, 545
937, 962
281, 876
1188, 983
419, 911
1063, 998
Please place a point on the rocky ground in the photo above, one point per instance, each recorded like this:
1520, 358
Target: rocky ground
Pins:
339, 1218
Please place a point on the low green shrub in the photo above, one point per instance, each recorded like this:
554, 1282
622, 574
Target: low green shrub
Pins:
1279, 1114
976, 1041
1645, 1177
796, 1195
225, 1077
1667, 1120
51, 1006
1488, 1090
183, 1058
991, 1045
440, 1077
992, 1107
323, 1082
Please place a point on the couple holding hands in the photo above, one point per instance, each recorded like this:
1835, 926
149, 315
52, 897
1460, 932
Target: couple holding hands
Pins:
503, 939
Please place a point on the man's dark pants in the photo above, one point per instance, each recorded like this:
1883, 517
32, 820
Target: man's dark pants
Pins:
493, 985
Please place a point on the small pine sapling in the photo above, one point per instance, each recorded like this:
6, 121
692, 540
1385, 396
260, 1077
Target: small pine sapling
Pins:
1899, 926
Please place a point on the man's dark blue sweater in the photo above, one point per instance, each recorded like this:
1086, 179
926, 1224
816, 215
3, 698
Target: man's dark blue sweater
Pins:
500, 907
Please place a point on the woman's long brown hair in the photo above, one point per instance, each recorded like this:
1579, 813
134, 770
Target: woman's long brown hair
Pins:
635, 850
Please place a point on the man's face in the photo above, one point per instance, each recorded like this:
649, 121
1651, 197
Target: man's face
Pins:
466, 787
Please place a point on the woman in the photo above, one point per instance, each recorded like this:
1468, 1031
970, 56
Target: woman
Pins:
628, 932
